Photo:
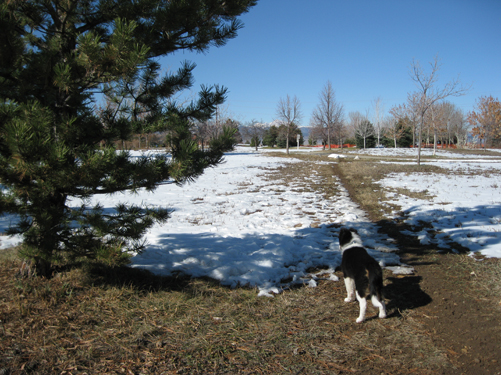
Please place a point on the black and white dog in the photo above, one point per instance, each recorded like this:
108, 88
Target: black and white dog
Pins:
356, 264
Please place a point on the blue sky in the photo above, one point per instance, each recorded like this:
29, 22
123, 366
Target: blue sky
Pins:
363, 47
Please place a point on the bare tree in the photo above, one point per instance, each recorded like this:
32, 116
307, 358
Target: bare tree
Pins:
460, 129
221, 118
364, 130
205, 131
455, 121
397, 123
289, 111
378, 117
317, 131
444, 115
392, 129
340, 132
202, 130
327, 117
427, 94
411, 109
360, 125
354, 119
254, 131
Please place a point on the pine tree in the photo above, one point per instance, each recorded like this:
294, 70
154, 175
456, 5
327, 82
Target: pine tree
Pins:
293, 131
270, 136
55, 55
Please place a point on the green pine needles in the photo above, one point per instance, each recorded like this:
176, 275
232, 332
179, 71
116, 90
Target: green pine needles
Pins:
55, 145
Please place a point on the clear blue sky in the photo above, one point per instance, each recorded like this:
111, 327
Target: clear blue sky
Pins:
364, 47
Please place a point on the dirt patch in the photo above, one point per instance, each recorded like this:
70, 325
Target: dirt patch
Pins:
456, 298
462, 313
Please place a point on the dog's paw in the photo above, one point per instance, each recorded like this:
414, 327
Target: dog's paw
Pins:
360, 320
382, 315
348, 299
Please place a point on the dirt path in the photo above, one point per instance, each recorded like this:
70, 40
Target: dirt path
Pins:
455, 297
459, 315
449, 294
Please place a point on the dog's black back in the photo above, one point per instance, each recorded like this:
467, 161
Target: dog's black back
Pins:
361, 271
356, 264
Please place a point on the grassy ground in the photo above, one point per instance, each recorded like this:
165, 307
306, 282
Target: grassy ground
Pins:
100, 320
93, 318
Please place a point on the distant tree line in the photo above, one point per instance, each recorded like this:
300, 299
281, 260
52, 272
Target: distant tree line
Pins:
427, 119
271, 135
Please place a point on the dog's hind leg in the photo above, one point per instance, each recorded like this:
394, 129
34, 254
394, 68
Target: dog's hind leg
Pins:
350, 289
363, 307
379, 304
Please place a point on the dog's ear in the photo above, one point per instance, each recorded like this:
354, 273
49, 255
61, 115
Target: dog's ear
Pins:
353, 230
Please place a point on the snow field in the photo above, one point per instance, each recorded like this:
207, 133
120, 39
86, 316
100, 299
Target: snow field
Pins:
462, 208
237, 226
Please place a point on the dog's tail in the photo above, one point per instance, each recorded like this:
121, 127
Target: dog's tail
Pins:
375, 279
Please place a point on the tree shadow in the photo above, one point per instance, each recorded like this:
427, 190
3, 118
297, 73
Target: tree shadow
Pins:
195, 256
276, 260
405, 293
454, 230
292, 254
106, 275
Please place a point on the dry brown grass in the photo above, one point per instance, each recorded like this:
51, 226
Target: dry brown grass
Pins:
361, 178
86, 321
481, 272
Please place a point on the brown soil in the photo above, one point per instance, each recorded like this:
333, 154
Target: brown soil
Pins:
454, 296
458, 314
